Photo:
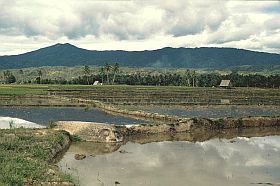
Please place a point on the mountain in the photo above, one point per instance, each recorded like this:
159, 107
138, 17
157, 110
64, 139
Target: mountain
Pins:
70, 55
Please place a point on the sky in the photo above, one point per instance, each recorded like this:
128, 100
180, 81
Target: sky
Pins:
26, 25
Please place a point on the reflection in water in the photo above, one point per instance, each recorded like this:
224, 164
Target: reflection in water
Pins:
8, 122
212, 160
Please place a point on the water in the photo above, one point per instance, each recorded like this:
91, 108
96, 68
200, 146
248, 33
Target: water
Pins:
215, 111
8, 122
42, 115
215, 162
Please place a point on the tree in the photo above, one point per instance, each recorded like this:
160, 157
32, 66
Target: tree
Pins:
87, 72
102, 73
107, 69
40, 74
9, 77
188, 77
193, 75
116, 69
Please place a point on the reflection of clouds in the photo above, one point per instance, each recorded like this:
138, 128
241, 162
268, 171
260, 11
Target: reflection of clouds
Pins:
214, 162
246, 151
257, 161
7, 122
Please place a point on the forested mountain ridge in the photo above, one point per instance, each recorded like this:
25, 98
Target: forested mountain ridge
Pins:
70, 55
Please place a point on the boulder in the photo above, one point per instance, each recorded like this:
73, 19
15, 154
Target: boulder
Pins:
91, 131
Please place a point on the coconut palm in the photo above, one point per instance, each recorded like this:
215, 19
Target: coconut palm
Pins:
102, 73
107, 69
87, 72
116, 69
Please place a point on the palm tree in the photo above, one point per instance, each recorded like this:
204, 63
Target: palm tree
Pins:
39, 78
116, 69
102, 72
188, 77
87, 72
107, 69
193, 75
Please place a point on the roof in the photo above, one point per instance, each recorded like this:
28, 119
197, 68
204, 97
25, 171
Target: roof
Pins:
225, 83
96, 83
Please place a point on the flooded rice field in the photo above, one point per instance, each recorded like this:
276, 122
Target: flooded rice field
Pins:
212, 111
214, 162
185, 96
42, 115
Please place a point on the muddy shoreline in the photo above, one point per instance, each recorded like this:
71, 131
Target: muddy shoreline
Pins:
100, 132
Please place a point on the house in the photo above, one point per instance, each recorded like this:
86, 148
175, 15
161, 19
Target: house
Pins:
96, 83
225, 84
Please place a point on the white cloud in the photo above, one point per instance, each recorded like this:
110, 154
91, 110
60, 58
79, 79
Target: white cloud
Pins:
138, 25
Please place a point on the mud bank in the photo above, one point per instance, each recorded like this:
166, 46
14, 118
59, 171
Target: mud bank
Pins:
59, 148
135, 114
99, 132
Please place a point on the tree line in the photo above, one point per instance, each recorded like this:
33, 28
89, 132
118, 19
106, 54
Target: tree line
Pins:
110, 74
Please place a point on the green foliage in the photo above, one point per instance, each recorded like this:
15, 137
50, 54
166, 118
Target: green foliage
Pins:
24, 156
86, 70
51, 124
9, 77
11, 124
58, 55
75, 138
19, 90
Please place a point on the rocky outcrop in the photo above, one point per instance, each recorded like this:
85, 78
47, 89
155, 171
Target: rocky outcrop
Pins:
100, 132
89, 131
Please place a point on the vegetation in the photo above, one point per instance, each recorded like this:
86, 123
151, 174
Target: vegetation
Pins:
113, 74
9, 77
190, 79
25, 156
20, 90
59, 55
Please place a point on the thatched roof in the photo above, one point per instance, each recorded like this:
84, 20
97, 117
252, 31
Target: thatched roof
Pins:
225, 83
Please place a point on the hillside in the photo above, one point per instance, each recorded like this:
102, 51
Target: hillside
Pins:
70, 55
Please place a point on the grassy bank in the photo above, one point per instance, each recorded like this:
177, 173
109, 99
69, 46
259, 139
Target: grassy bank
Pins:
26, 156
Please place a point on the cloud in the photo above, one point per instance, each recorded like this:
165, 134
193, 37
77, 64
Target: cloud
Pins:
139, 25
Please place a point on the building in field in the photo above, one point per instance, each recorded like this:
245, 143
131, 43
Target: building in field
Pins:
225, 84
96, 83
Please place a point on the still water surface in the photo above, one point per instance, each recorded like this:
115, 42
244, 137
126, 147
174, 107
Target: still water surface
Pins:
215, 111
216, 162
42, 115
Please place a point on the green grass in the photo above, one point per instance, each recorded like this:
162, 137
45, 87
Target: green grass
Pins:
19, 90
25, 156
